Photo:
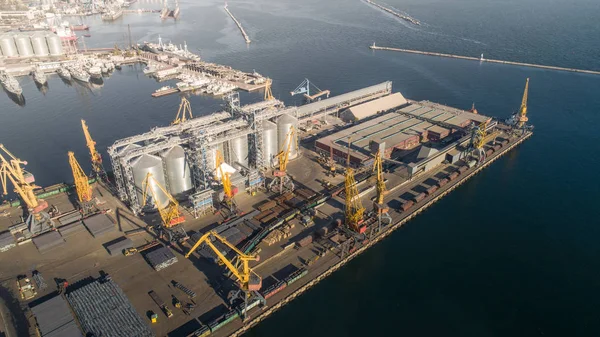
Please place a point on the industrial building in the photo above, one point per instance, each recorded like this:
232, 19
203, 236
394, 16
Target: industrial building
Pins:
182, 157
402, 129
368, 109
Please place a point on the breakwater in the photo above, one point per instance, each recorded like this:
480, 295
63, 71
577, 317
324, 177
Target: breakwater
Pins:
482, 59
246, 37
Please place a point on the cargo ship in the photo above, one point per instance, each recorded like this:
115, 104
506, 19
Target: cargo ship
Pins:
80, 27
10, 84
39, 77
64, 73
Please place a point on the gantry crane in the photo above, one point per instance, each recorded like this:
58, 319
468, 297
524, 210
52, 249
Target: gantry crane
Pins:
82, 185
268, 92
169, 214
281, 181
248, 281
354, 210
519, 120
380, 209
224, 177
304, 88
184, 113
38, 221
97, 167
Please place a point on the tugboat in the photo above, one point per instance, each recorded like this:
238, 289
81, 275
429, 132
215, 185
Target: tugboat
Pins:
39, 77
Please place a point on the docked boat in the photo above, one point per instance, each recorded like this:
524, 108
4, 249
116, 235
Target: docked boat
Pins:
80, 75
39, 77
166, 90
95, 71
64, 73
10, 84
149, 70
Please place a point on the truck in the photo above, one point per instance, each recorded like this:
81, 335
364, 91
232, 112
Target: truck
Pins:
161, 304
26, 288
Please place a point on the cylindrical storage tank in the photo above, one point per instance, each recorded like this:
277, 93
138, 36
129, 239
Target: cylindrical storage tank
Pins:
143, 165
54, 45
213, 155
177, 172
238, 151
284, 123
23, 45
7, 44
38, 42
270, 142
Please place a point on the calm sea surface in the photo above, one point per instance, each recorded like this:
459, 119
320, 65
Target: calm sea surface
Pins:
513, 252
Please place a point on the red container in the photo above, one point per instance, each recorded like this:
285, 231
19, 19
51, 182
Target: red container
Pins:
453, 176
419, 197
442, 182
489, 152
431, 190
405, 206
462, 169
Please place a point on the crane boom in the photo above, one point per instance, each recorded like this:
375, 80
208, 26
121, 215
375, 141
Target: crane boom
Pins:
523, 109
224, 177
169, 214
241, 272
184, 112
354, 210
82, 184
378, 169
284, 154
94, 154
11, 169
268, 92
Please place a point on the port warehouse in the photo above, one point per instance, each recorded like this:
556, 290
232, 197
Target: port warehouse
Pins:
180, 155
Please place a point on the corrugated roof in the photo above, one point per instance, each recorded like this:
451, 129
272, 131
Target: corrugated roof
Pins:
54, 318
311, 108
442, 113
364, 110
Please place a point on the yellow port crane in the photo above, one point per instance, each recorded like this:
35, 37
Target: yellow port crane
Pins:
184, 113
248, 281
522, 117
354, 210
169, 213
38, 221
380, 209
224, 177
268, 92
281, 181
97, 167
82, 185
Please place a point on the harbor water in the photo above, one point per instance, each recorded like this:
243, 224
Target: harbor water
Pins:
512, 252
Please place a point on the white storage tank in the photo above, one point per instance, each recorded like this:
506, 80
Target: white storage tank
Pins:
284, 124
143, 165
23, 45
238, 151
54, 45
177, 172
40, 47
7, 44
270, 149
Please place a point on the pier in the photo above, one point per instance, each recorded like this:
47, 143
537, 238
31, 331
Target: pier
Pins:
481, 59
246, 37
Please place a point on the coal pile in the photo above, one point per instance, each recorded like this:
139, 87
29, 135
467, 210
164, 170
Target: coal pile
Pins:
99, 224
161, 258
7, 241
48, 241
102, 309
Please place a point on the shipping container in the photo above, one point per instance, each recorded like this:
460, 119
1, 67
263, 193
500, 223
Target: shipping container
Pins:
431, 190
305, 241
462, 169
274, 289
202, 332
497, 147
419, 197
295, 276
489, 152
405, 206
453, 175
442, 182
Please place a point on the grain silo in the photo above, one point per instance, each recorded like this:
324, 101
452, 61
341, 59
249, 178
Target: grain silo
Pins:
177, 172
143, 165
238, 151
7, 44
23, 45
54, 45
40, 47
284, 123
270, 148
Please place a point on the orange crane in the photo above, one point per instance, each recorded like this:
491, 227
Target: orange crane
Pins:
82, 185
184, 113
380, 208
239, 266
38, 221
169, 214
281, 181
228, 194
97, 167
332, 169
354, 210
268, 92
523, 110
